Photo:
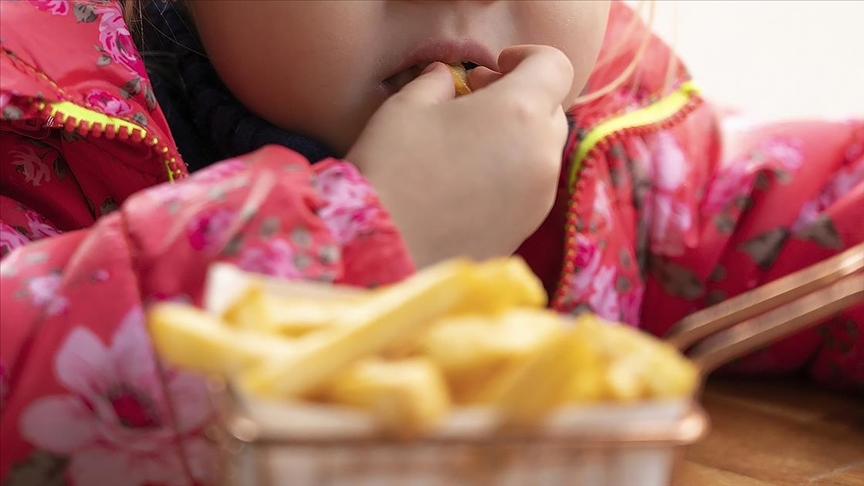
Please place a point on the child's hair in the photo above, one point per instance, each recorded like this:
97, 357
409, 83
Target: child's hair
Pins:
133, 14
132, 11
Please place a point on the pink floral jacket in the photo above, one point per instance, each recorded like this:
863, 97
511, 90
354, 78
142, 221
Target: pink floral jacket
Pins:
98, 218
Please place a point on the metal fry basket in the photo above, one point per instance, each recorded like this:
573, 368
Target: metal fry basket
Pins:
284, 444
622, 444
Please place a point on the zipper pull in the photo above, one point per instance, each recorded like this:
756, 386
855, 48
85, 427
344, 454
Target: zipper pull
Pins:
29, 127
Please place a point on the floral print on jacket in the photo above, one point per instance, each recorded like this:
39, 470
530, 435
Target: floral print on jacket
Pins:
92, 231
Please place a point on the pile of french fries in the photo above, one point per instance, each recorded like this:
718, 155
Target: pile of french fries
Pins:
457, 334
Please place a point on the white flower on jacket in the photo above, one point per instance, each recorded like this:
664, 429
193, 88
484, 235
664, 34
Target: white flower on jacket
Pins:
27, 162
44, 293
10, 238
38, 227
602, 204
670, 217
115, 426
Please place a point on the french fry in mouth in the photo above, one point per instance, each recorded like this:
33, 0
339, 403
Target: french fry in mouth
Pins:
460, 79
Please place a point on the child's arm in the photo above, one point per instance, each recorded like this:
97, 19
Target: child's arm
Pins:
785, 197
72, 328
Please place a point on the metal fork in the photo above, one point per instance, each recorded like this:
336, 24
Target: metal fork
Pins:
719, 334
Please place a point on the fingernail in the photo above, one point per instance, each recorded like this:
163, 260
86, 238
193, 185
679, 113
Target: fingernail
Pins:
429, 68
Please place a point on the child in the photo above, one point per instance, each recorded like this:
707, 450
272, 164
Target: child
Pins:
303, 98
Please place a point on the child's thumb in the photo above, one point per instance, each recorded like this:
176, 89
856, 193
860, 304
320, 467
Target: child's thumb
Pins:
434, 85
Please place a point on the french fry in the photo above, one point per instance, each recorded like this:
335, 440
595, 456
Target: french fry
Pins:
503, 283
472, 349
494, 286
460, 79
539, 385
194, 339
456, 333
407, 397
389, 315
260, 311
622, 364
643, 367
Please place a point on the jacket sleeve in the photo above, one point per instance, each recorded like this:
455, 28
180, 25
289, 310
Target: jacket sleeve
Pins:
82, 394
783, 197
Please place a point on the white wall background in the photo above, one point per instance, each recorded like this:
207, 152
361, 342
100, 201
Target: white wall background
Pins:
772, 58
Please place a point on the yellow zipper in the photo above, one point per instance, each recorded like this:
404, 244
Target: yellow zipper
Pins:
660, 115
87, 122
657, 112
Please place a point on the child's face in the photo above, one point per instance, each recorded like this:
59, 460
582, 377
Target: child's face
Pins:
323, 67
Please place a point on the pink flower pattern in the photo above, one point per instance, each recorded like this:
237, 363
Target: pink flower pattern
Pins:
349, 206
588, 257
604, 297
602, 204
670, 218
108, 103
114, 426
737, 177
209, 230
13, 237
846, 179
97, 400
274, 257
38, 227
595, 284
10, 238
26, 161
784, 153
56, 7
669, 168
116, 39
730, 181
43, 294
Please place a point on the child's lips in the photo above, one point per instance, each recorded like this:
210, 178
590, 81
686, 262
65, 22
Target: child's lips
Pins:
467, 51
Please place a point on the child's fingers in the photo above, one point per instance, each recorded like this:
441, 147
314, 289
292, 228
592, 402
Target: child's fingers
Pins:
481, 77
433, 86
560, 128
541, 72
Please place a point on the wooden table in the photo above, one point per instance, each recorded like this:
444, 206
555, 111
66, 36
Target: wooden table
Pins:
778, 432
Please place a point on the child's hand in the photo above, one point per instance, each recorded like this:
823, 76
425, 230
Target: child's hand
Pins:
473, 176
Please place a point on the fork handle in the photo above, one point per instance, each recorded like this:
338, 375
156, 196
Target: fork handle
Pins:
752, 334
784, 290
